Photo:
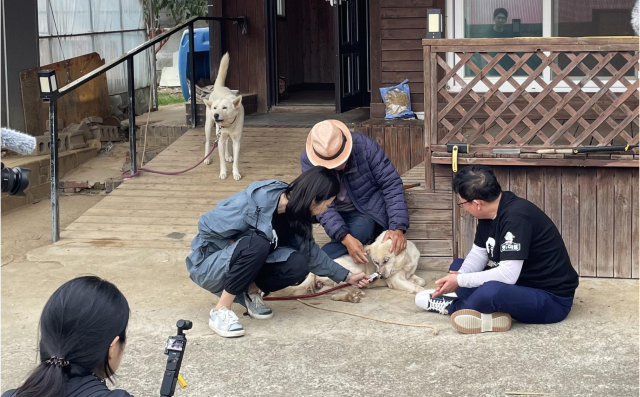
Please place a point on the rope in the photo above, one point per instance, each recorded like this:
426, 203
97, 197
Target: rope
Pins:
435, 329
125, 176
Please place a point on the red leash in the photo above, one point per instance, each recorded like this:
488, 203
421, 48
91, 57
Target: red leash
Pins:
294, 297
125, 176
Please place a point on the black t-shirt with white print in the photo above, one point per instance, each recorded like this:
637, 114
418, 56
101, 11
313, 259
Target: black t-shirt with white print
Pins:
521, 231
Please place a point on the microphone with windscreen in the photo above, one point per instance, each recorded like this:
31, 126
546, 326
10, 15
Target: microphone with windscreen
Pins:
15, 180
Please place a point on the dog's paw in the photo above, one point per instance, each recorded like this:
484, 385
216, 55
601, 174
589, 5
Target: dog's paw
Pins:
418, 281
352, 297
207, 161
237, 176
229, 158
223, 175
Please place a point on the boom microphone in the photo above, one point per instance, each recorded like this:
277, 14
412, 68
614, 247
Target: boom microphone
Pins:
17, 141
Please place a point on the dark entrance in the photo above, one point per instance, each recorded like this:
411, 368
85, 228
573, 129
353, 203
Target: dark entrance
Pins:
319, 53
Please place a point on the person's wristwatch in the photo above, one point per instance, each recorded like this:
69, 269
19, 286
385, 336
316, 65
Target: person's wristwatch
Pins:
346, 279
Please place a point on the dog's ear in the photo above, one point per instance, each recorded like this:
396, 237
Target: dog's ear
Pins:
207, 102
237, 101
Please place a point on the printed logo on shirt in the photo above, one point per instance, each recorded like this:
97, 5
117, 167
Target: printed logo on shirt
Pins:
509, 245
490, 244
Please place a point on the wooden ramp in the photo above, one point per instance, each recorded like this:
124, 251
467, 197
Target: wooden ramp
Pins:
158, 211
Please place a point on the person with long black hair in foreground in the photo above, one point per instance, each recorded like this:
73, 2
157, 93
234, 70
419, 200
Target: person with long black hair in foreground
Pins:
82, 339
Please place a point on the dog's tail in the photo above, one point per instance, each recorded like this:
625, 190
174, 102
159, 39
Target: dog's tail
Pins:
222, 72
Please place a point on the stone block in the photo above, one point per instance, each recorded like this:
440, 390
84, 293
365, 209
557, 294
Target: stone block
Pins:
74, 140
106, 133
83, 126
93, 120
42, 144
111, 184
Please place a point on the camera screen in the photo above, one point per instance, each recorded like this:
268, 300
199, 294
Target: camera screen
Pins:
176, 345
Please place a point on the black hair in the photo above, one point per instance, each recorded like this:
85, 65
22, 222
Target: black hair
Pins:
77, 326
315, 185
500, 11
477, 182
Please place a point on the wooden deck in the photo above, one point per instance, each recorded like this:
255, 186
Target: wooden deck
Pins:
157, 211
154, 211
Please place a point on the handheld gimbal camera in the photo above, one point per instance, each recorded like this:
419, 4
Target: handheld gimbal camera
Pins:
175, 352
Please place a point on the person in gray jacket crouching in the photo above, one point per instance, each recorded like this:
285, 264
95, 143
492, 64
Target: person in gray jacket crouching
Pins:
260, 240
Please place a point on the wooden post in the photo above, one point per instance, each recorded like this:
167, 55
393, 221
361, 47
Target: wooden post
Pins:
428, 116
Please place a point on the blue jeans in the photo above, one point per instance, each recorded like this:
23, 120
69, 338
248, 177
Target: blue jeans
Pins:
527, 305
361, 226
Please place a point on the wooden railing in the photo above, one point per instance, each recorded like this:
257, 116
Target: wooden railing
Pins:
530, 94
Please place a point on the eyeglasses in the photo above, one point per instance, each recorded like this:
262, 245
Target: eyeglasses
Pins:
463, 203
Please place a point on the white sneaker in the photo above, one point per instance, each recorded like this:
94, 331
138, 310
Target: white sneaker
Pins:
225, 323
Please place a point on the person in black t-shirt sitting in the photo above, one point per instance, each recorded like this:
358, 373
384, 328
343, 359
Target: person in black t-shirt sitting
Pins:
518, 267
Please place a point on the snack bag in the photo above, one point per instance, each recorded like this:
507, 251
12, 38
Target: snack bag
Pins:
397, 101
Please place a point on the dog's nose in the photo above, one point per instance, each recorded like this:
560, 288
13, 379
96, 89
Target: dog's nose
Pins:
216, 116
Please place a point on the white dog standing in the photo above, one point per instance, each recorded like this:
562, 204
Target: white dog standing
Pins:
225, 110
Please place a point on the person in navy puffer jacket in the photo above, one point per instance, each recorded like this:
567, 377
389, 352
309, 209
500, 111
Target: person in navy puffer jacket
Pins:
371, 197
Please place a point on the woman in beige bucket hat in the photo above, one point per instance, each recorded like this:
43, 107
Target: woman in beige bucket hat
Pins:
371, 197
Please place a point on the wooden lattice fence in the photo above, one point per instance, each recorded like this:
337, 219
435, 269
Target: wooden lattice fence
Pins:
531, 94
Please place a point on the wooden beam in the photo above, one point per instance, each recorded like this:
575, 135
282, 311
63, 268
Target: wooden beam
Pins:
540, 162
534, 41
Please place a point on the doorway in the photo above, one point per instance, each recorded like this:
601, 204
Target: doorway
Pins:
320, 66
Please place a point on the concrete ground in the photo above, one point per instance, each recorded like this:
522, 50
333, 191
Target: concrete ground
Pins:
303, 351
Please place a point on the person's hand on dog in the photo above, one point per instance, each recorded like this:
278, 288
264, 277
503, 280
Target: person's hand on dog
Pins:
355, 248
359, 279
398, 241
446, 284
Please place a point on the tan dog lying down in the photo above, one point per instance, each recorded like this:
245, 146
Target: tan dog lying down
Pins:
398, 272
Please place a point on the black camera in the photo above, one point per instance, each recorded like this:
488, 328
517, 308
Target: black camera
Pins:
15, 180
175, 351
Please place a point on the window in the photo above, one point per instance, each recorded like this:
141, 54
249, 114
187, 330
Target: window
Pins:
280, 8
537, 18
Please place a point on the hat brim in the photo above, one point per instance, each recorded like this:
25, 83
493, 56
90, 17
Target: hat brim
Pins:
338, 161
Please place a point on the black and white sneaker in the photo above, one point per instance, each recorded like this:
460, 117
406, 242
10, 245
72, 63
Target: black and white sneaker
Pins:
438, 304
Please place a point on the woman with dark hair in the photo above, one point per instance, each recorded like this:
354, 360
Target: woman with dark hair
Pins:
82, 336
260, 240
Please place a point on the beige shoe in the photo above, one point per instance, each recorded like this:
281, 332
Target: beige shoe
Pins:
473, 322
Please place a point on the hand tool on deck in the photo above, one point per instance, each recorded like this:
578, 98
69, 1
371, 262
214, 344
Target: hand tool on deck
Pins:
596, 149
454, 149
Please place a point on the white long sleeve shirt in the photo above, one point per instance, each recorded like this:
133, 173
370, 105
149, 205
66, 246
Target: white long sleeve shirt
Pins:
471, 274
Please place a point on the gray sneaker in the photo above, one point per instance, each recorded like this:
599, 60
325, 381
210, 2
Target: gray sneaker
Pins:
256, 307
225, 323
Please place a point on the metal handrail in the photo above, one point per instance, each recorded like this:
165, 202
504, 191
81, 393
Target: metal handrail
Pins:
242, 22
127, 57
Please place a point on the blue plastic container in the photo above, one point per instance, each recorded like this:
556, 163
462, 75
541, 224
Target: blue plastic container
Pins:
201, 48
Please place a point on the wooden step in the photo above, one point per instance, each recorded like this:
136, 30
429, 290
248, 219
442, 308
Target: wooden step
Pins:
315, 109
